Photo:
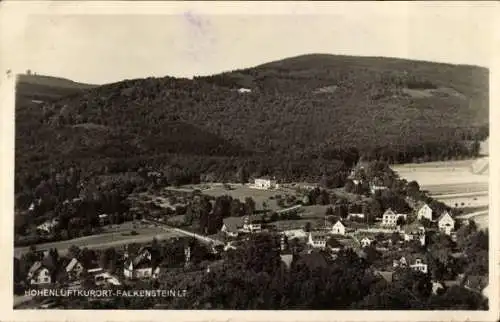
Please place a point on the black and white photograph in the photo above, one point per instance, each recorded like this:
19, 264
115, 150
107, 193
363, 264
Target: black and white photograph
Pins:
319, 156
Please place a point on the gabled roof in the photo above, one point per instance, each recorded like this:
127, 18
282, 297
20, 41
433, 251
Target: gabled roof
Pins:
314, 260
338, 222
421, 205
445, 214
71, 264
35, 267
386, 275
233, 223
389, 212
287, 259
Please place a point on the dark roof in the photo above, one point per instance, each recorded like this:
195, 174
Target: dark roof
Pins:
233, 223
314, 260
386, 275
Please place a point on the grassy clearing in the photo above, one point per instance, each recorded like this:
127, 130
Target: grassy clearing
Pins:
108, 239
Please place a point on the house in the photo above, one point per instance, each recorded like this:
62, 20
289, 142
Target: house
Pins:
352, 216
232, 225
265, 183
365, 242
141, 266
338, 228
400, 262
414, 232
374, 188
419, 265
317, 239
39, 274
244, 90
103, 219
446, 223
424, 211
437, 287
475, 282
48, 226
74, 269
390, 218
251, 226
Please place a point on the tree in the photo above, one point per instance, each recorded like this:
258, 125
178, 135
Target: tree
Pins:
242, 175
307, 227
413, 189
400, 221
249, 205
349, 186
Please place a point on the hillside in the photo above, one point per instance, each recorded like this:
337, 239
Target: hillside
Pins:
300, 116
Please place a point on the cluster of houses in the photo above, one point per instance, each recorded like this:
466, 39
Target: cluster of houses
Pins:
40, 274
141, 264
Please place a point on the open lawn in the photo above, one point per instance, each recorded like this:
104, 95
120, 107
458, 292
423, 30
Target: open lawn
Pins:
316, 211
113, 238
447, 177
241, 192
440, 173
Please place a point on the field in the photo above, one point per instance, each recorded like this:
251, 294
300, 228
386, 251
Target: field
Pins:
447, 177
240, 192
112, 237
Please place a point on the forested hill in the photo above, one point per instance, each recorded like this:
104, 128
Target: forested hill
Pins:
295, 114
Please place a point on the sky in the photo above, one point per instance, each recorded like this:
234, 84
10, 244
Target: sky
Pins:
101, 44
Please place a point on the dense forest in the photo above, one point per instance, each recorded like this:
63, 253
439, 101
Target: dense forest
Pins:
300, 118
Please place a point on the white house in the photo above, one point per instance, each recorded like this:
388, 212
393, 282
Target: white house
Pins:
244, 90
390, 218
38, 274
141, 266
400, 263
446, 223
419, 265
365, 242
251, 227
424, 212
338, 228
265, 183
317, 239
414, 233
355, 215
374, 188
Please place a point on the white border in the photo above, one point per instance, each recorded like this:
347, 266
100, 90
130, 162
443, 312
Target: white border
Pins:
12, 16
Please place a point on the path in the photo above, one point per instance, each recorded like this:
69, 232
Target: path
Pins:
63, 246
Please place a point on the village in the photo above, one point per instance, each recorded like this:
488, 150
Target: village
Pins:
391, 239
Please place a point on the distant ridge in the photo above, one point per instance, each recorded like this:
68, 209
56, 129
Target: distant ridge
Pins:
51, 81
